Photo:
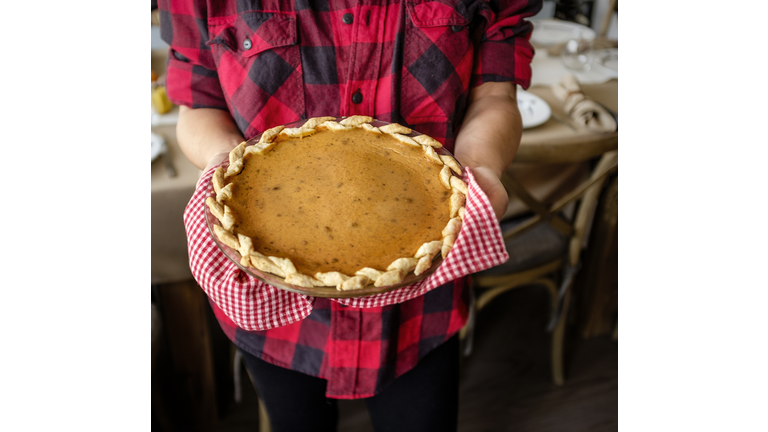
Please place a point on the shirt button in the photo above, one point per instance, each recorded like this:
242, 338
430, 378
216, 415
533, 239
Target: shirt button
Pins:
247, 44
348, 18
357, 97
456, 28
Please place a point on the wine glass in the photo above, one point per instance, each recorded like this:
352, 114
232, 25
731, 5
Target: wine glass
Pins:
577, 53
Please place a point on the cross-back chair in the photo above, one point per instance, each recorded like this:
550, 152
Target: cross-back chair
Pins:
545, 250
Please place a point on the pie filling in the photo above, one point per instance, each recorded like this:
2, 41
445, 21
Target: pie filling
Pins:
344, 204
340, 201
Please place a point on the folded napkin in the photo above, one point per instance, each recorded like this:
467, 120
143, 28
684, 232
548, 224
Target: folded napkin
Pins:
254, 305
582, 109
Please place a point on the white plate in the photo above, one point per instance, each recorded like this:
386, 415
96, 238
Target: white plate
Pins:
607, 58
533, 109
158, 145
550, 32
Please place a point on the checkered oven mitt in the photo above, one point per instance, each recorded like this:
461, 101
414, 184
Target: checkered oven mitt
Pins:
254, 305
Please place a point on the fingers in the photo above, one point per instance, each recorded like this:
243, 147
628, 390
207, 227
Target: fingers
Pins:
494, 190
216, 160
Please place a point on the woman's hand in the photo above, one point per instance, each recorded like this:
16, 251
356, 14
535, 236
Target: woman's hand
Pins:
490, 184
489, 138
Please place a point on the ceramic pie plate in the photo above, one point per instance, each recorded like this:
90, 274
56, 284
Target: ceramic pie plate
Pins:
316, 291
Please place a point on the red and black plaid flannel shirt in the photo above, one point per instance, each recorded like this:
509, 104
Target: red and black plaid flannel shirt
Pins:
271, 62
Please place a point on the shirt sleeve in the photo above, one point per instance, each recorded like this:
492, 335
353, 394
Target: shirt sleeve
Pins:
191, 78
505, 52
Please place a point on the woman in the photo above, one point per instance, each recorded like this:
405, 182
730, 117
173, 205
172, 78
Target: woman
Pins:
446, 68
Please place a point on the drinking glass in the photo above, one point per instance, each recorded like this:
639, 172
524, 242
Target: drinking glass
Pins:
577, 53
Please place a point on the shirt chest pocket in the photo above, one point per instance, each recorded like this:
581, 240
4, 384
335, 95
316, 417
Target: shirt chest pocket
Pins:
259, 65
437, 61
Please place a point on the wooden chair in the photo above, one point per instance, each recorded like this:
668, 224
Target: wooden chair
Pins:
545, 250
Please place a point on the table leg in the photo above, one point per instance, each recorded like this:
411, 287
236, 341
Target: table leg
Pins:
199, 354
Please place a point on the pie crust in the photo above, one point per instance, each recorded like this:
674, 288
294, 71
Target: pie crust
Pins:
382, 233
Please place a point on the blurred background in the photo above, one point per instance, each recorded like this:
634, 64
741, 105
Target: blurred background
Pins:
541, 350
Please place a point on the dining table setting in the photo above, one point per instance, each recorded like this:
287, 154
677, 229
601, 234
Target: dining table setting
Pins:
571, 107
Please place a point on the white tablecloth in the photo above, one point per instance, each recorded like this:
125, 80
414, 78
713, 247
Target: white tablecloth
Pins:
548, 70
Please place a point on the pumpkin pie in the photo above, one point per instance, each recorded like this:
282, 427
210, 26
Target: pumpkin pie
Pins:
342, 204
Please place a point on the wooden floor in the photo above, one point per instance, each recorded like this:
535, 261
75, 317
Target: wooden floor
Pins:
505, 383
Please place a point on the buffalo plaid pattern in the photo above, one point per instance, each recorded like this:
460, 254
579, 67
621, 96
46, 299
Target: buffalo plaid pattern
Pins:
272, 62
359, 351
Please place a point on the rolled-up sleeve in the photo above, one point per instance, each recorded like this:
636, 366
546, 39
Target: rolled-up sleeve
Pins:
505, 52
191, 77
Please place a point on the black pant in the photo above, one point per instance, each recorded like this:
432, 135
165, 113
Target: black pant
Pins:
423, 399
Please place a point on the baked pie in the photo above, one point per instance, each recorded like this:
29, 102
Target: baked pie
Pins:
339, 203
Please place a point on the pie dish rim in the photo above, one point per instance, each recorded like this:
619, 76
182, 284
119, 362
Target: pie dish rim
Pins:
323, 291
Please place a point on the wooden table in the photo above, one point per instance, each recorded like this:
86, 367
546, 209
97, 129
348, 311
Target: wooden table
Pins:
557, 142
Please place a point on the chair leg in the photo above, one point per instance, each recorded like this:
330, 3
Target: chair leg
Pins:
558, 336
264, 425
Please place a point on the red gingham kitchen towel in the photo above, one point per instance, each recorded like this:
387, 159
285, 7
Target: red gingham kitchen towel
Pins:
254, 305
